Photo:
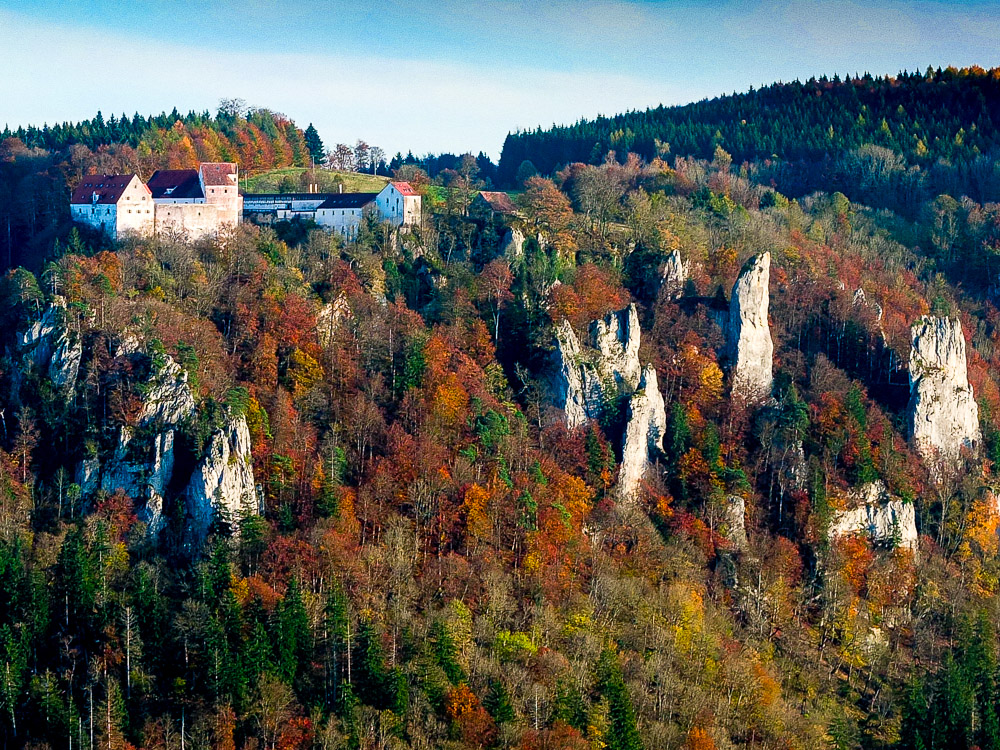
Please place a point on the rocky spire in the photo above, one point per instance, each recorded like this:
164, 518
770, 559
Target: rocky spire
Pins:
944, 416
748, 336
222, 486
675, 274
576, 387
53, 349
644, 430
581, 374
616, 337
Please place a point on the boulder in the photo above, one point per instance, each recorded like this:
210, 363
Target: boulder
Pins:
874, 513
222, 486
644, 431
675, 275
748, 336
944, 416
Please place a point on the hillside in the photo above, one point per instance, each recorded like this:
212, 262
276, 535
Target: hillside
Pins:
943, 122
668, 459
297, 179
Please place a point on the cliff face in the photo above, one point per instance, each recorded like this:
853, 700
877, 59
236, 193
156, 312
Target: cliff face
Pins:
512, 246
748, 335
616, 337
222, 486
581, 375
944, 416
142, 467
877, 515
675, 274
52, 349
644, 430
576, 386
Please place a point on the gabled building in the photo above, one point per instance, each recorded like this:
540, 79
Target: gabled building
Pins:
399, 204
344, 212
116, 204
492, 206
197, 202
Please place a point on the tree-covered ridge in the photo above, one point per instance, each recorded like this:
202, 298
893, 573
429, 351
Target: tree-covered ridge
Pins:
254, 137
440, 562
946, 114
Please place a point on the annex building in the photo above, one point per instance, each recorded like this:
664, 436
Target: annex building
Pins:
397, 203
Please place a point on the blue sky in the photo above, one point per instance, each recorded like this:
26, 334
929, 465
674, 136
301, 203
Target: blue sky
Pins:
448, 75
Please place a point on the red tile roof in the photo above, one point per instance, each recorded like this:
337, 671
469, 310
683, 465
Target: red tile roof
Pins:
405, 188
108, 187
499, 202
219, 173
175, 183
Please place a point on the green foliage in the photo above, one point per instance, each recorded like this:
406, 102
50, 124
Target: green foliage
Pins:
623, 732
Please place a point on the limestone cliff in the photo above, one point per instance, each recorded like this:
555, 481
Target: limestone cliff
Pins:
585, 377
616, 337
876, 514
675, 274
944, 416
144, 469
222, 486
736, 525
576, 386
53, 349
748, 336
512, 246
644, 430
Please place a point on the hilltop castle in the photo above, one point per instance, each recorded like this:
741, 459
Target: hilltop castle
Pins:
202, 202
195, 202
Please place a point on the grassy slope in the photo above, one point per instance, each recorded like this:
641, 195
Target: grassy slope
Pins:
269, 181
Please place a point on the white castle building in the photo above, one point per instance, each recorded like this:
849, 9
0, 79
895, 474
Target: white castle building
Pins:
202, 202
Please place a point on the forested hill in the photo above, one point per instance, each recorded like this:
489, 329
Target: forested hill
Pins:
253, 137
947, 115
40, 166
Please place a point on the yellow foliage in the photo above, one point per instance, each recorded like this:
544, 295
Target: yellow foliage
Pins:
477, 521
304, 371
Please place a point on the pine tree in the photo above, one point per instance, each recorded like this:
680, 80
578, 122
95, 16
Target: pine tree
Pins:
622, 733
315, 145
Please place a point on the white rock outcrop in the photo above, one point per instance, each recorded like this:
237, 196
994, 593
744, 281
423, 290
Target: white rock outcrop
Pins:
877, 515
222, 486
53, 349
748, 336
329, 319
675, 275
644, 431
585, 377
944, 416
576, 386
736, 523
512, 246
144, 472
616, 337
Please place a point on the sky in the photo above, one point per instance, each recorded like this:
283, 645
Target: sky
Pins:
444, 75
